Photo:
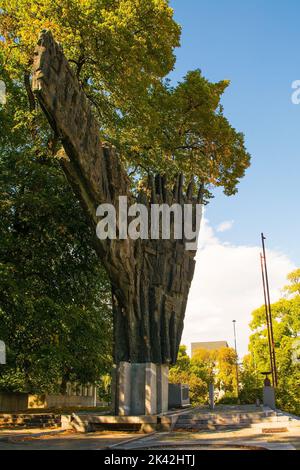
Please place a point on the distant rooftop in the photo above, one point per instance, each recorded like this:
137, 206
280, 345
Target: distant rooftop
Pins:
208, 345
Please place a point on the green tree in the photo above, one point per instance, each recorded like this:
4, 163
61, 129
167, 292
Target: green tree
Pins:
286, 327
226, 371
217, 367
294, 283
121, 52
55, 314
182, 372
183, 360
251, 381
205, 367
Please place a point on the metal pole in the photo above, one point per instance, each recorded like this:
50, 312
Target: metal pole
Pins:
236, 365
267, 319
263, 238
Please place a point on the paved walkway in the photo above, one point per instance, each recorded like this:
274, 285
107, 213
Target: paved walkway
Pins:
61, 440
241, 439
238, 440
250, 437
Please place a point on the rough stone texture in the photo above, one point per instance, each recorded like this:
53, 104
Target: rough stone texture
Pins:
150, 278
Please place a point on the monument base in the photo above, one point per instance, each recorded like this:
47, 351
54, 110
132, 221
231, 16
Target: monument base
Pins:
269, 397
140, 389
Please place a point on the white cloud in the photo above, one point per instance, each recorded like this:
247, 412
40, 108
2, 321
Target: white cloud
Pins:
227, 286
224, 226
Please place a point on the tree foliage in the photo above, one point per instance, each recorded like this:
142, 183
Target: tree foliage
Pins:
182, 373
55, 314
294, 283
250, 381
206, 367
54, 304
286, 328
121, 52
226, 375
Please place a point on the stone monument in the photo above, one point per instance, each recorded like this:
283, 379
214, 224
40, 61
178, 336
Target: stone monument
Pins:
150, 278
268, 392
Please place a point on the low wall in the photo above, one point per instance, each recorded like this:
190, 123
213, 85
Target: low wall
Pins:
13, 401
62, 401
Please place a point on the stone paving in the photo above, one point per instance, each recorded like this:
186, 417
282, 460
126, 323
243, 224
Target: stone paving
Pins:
61, 440
238, 439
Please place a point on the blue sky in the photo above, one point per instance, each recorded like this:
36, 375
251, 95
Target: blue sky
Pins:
255, 44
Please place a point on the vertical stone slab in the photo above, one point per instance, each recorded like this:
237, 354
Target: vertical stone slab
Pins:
137, 405
162, 388
150, 389
174, 395
2, 352
124, 388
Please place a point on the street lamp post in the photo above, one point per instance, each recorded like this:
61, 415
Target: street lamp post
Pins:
236, 364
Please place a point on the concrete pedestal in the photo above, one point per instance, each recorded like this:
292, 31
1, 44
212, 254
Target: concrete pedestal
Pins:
140, 389
269, 397
162, 387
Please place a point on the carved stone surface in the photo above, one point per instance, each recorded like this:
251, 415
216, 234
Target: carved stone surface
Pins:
150, 278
